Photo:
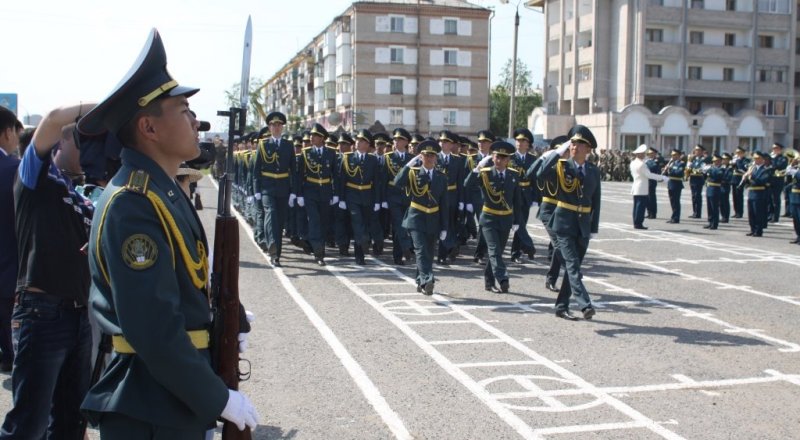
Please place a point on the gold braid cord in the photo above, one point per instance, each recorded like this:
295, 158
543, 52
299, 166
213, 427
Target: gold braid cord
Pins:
268, 158
350, 171
390, 164
314, 168
495, 196
562, 179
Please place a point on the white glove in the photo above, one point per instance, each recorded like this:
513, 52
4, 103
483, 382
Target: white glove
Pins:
249, 200
482, 163
534, 204
257, 196
592, 235
385, 205
563, 148
460, 206
301, 202
335, 200
376, 207
470, 208
342, 204
240, 411
250, 316
665, 178
442, 235
292, 197
514, 228
415, 161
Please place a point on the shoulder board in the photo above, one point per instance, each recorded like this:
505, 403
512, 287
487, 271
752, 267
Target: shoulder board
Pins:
387, 154
471, 155
455, 154
416, 168
307, 148
563, 160
138, 182
486, 169
297, 154
514, 170
348, 153
331, 148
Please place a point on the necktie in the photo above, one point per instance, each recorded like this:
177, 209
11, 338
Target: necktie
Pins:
446, 160
580, 172
502, 175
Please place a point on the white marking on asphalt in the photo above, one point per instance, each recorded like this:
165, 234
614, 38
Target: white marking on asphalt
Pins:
382, 283
394, 294
450, 321
495, 364
590, 428
466, 341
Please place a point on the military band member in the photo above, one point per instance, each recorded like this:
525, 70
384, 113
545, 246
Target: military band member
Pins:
654, 165
675, 171
577, 215
360, 191
740, 164
714, 176
793, 172
696, 179
485, 140
757, 177
396, 198
725, 189
274, 162
777, 182
427, 216
502, 210
791, 155
521, 161
148, 260
451, 165
315, 189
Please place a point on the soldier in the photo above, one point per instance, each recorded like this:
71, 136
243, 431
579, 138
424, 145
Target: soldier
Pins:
793, 172
521, 162
148, 261
220, 157
274, 162
757, 177
380, 223
427, 216
740, 164
412, 146
396, 198
502, 210
777, 182
343, 228
788, 183
714, 176
675, 171
473, 194
300, 239
451, 165
315, 188
577, 215
332, 143
696, 179
654, 165
725, 189
359, 186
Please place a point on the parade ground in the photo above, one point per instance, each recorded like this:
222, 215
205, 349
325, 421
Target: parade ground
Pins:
696, 336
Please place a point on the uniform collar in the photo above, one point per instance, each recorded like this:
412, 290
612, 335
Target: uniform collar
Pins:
157, 175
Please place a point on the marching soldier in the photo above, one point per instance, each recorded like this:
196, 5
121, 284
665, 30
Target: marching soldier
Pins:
315, 188
757, 177
381, 223
396, 198
427, 216
791, 156
725, 189
300, 239
521, 161
714, 176
360, 191
740, 164
451, 165
415, 140
473, 194
148, 260
696, 179
274, 162
343, 228
675, 171
777, 182
652, 164
502, 210
291, 218
577, 215
793, 172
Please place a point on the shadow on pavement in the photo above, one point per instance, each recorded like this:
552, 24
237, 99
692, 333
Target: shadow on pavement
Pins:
679, 335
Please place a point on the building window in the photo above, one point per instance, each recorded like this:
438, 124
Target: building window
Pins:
652, 70
694, 107
797, 113
695, 72
797, 80
450, 57
670, 142
450, 87
568, 77
655, 35
450, 26
766, 41
779, 76
396, 86
631, 141
396, 116
396, 55
763, 75
656, 2
696, 37
730, 5
697, 4
449, 117
771, 108
728, 107
584, 73
727, 74
397, 24
730, 39
773, 6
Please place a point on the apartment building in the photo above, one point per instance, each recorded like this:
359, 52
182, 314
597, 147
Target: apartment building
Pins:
672, 73
418, 64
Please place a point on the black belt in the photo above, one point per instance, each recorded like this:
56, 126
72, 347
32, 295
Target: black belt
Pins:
48, 298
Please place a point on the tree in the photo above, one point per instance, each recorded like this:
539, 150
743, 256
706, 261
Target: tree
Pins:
255, 111
500, 99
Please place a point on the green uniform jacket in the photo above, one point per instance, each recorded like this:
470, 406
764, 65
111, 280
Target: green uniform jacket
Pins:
392, 165
426, 195
316, 174
502, 198
143, 289
358, 182
578, 209
273, 168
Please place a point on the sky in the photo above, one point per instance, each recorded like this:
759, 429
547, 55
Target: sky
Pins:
66, 52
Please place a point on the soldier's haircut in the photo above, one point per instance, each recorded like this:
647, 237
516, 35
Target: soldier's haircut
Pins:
127, 134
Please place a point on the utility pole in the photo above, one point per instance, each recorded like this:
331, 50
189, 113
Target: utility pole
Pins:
513, 109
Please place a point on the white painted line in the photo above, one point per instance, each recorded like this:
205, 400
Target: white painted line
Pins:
495, 364
466, 341
590, 428
382, 283
394, 294
450, 321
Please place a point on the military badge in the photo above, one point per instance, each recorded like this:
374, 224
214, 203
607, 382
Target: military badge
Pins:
139, 251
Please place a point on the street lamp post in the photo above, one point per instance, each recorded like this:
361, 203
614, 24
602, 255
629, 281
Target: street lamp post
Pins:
513, 107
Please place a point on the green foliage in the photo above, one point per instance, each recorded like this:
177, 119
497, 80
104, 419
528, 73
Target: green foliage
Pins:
255, 111
500, 99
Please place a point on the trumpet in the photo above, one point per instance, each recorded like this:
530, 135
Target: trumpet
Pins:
667, 166
747, 175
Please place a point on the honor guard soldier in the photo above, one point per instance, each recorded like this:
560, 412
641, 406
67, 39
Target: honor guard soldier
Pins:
520, 162
343, 227
291, 218
329, 230
502, 211
694, 170
675, 170
725, 189
360, 190
380, 222
548, 188
427, 216
315, 188
396, 198
777, 182
300, 239
793, 172
714, 176
577, 215
451, 165
468, 228
791, 156
149, 267
740, 164
758, 178
473, 194
274, 162
415, 140
258, 207
652, 163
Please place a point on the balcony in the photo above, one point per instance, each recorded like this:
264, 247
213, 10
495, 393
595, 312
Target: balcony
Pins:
714, 88
663, 15
772, 90
661, 51
775, 22
772, 57
704, 18
661, 86
718, 54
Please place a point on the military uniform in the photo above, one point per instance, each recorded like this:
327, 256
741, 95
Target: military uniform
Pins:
675, 172
740, 166
522, 241
725, 189
794, 199
696, 181
315, 190
452, 166
428, 215
757, 197
396, 198
654, 167
360, 192
714, 176
777, 182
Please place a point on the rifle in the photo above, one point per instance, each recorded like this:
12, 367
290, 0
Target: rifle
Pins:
225, 268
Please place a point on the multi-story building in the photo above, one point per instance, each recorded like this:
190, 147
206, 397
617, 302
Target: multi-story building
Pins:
418, 64
672, 73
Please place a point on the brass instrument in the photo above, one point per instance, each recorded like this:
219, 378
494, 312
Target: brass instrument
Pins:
747, 175
667, 166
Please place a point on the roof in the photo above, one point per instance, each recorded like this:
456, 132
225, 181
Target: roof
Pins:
448, 3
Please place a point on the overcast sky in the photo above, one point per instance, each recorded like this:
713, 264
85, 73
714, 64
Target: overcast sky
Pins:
61, 52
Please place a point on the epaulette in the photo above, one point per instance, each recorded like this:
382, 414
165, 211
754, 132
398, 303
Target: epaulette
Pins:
307, 148
332, 148
386, 154
138, 182
486, 169
416, 168
514, 170
347, 153
471, 155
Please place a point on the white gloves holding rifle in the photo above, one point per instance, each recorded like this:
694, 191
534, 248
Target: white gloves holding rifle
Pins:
240, 411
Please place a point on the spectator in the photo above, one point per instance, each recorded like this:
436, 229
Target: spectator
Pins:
10, 129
